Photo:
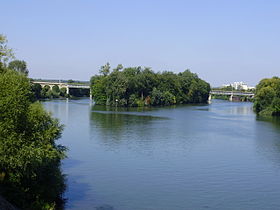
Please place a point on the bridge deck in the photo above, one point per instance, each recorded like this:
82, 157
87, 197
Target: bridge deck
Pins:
217, 92
61, 84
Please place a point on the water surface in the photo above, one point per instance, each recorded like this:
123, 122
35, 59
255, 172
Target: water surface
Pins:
218, 156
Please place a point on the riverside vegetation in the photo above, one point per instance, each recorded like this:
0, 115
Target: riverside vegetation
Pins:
136, 86
267, 98
30, 175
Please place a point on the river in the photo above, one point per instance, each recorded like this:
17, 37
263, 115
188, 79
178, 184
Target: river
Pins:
217, 156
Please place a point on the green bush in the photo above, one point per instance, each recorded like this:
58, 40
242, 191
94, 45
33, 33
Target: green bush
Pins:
267, 97
29, 157
63, 92
133, 100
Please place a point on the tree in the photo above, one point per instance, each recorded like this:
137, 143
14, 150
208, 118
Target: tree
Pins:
157, 97
63, 92
19, 66
37, 89
70, 81
98, 88
45, 91
55, 92
55, 88
29, 157
30, 175
118, 68
267, 97
105, 70
5, 53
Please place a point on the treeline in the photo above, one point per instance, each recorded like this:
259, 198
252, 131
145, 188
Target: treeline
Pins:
267, 98
137, 86
30, 159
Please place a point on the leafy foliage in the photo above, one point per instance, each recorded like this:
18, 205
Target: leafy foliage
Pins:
29, 157
63, 92
5, 53
19, 66
37, 90
136, 86
105, 69
267, 98
30, 175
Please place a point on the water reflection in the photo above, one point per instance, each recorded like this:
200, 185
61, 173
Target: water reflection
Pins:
275, 121
268, 137
216, 156
76, 191
241, 110
115, 125
233, 108
60, 108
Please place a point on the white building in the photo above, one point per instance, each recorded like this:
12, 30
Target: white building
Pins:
239, 86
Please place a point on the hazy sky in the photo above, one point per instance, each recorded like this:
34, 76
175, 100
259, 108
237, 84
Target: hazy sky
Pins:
221, 41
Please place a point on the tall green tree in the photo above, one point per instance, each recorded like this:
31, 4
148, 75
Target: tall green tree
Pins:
30, 175
28, 152
19, 66
6, 53
37, 90
105, 70
118, 68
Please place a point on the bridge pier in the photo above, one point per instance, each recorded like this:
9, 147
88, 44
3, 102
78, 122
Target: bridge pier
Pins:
231, 97
67, 90
209, 98
90, 94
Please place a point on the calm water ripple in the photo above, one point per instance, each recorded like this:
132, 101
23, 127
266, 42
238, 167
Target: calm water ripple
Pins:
218, 156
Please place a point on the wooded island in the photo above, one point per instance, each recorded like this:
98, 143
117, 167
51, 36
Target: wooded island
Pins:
137, 86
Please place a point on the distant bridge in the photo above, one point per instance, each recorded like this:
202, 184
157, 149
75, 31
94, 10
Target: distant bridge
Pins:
230, 93
64, 85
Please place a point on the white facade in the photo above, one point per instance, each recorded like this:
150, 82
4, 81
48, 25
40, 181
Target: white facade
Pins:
239, 86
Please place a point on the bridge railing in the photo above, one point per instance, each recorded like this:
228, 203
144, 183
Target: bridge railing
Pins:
63, 84
79, 86
217, 92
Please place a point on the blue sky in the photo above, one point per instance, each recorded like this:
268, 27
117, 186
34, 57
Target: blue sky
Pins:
221, 41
